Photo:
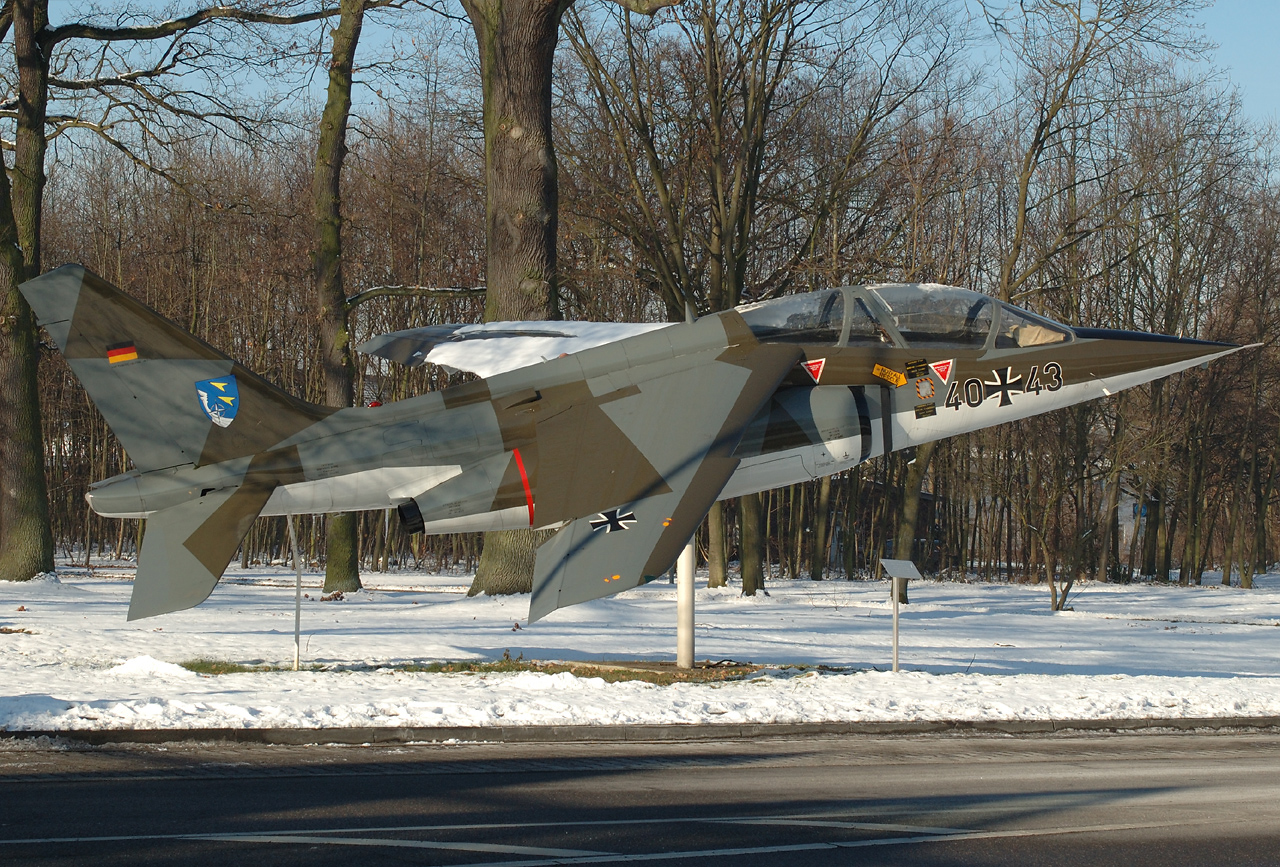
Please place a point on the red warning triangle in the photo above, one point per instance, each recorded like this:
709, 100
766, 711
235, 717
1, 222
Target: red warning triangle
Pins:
942, 368
814, 367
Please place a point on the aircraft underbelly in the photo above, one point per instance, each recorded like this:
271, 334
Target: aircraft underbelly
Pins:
809, 433
379, 488
778, 469
515, 518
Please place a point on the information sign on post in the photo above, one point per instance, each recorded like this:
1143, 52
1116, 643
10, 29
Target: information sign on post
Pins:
898, 570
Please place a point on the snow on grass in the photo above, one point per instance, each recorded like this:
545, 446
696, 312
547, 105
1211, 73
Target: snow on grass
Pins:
70, 660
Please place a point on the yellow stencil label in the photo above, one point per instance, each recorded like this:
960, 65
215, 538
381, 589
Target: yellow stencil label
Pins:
889, 375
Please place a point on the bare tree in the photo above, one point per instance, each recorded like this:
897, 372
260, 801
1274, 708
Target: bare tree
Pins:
25, 537
1076, 63
342, 567
517, 41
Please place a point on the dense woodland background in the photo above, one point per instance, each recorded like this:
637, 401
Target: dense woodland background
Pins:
1098, 170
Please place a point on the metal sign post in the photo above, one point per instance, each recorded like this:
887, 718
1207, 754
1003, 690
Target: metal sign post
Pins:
898, 570
297, 597
893, 588
684, 606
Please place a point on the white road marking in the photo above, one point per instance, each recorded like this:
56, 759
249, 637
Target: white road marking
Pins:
857, 826
844, 844
807, 819
557, 857
309, 837
405, 844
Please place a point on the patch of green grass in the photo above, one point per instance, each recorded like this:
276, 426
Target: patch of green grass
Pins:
657, 674
218, 666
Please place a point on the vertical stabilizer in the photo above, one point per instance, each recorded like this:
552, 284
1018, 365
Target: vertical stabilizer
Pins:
168, 396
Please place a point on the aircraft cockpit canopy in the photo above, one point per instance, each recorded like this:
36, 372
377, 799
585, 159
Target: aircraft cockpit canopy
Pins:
923, 316
930, 316
938, 316
1019, 328
813, 317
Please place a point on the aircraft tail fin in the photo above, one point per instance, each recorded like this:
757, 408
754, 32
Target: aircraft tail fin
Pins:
170, 398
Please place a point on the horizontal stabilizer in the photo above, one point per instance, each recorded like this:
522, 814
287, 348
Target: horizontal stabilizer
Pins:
187, 548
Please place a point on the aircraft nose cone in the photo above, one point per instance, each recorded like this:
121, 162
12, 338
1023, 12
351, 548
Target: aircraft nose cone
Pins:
1208, 346
1109, 353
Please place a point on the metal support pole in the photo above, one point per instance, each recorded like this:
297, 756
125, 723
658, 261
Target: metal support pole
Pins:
297, 597
895, 579
684, 607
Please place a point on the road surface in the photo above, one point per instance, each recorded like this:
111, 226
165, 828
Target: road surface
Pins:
1133, 799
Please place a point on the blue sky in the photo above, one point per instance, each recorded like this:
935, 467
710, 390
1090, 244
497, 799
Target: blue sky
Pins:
1247, 33
1248, 36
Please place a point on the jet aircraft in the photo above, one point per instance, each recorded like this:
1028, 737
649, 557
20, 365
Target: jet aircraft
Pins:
620, 436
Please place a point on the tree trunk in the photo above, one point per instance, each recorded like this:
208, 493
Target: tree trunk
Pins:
1231, 538
1111, 504
1133, 542
342, 565
26, 540
1152, 533
517, 42
751, 554
849, 528
821, 518
912, 481
1262, 504
717, 557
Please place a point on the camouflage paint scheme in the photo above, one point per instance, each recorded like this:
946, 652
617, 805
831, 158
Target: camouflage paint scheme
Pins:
624, 445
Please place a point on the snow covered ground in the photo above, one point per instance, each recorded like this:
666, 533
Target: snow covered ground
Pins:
969, 652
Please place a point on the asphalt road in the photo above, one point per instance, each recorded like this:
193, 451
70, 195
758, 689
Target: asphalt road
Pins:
920, 800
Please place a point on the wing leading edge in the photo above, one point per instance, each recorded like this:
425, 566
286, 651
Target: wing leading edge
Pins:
686, 424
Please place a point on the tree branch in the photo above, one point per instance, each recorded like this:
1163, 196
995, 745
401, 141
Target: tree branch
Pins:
359, 298
81, 30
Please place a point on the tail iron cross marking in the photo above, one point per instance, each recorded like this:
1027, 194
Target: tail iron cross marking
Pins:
614, 519
1005, 383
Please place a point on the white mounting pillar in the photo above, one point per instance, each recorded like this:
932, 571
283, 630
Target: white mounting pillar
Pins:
684, 606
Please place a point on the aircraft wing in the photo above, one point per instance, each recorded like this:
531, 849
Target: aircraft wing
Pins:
497, 347
685, 423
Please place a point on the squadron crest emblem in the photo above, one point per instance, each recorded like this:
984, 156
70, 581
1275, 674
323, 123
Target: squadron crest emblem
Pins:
219, 398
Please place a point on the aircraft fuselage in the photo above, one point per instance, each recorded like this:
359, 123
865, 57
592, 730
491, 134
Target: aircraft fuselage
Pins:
470, 458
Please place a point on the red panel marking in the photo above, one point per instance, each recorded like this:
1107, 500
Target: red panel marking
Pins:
814, 367
524, 479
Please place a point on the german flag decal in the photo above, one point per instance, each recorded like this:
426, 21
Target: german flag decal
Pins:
122, 352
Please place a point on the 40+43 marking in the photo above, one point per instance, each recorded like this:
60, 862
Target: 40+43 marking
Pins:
972, 392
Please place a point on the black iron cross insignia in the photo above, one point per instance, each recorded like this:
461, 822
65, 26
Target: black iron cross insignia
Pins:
1005, 383
614, 519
